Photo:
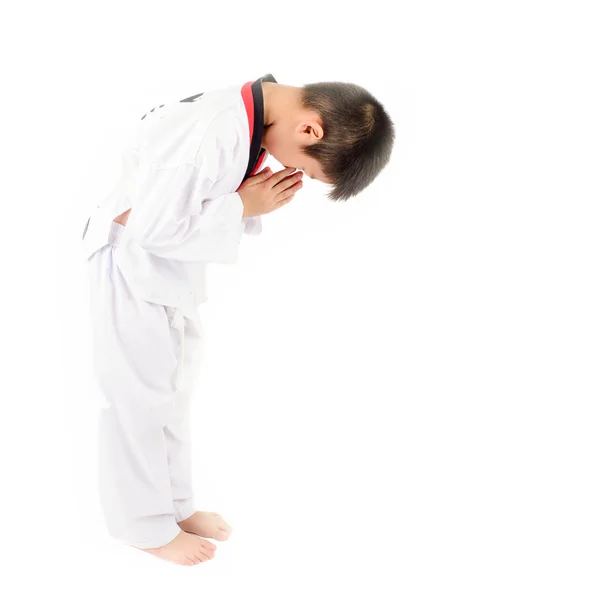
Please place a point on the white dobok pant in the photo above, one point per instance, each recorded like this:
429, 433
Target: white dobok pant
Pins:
146, 360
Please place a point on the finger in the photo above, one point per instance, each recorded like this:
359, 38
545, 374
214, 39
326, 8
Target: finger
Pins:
257, 179
290, 191
265, 173
280, 175
283, 202
287, 182
260, 177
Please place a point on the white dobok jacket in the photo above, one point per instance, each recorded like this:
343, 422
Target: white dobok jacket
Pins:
179, 177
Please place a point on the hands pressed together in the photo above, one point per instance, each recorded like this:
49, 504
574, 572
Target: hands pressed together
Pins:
266, 191
262, 193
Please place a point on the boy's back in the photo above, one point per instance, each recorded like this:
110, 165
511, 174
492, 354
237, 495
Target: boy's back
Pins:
178, 174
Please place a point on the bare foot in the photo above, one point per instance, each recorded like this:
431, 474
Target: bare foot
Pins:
206, 524
185, 549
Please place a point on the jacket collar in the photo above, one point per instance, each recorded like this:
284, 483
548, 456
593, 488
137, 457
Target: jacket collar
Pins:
252, 95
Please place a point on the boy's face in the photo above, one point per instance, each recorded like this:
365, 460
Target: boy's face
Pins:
285, 142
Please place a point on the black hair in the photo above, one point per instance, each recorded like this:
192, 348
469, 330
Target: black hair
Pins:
358, 135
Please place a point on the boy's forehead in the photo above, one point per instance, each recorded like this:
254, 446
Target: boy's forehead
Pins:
313, 169
314, 174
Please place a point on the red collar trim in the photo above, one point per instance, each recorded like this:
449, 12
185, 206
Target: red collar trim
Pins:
249, 104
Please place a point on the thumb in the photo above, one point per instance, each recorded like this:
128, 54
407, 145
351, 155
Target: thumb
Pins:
257, 178
265, 173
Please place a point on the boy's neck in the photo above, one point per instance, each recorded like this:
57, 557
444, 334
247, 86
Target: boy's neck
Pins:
278, 100
267, 102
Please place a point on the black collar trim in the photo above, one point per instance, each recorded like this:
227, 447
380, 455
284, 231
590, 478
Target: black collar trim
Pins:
256, 150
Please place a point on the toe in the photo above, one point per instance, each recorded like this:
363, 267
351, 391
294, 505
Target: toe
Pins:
223, 525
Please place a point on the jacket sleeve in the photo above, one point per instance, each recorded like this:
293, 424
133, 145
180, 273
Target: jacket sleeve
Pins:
175, 216
252, 225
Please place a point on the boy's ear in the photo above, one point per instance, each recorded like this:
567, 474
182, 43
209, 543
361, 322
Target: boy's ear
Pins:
318, 131
313, 128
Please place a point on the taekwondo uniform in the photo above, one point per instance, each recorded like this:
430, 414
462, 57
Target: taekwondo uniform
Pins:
179, 176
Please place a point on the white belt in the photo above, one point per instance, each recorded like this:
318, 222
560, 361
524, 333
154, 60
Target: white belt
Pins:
100, 228
177, 322
99, 231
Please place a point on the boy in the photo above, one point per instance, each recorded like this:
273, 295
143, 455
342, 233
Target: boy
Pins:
190, 188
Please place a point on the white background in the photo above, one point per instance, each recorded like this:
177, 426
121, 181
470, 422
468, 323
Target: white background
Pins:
400, 393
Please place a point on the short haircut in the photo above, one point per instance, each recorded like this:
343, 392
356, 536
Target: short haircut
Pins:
358, 135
